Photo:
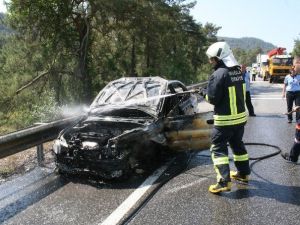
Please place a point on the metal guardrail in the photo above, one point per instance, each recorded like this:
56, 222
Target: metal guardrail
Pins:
35, 136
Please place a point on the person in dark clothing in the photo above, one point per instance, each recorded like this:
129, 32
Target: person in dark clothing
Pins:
226, 90
294, 153
246, 77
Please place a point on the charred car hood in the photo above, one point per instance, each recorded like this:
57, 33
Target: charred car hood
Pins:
109, 125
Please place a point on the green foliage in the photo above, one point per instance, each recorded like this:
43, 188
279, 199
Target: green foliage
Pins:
45, 108
246, 57
29, 108
20, 61
64, 52
296, 50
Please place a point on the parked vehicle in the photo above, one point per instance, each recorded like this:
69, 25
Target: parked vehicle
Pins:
279, 65
262, 62
131, 124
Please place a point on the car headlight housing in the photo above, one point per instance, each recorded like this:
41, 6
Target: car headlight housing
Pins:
59, 144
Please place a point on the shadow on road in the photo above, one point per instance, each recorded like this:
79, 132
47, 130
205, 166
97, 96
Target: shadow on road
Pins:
281, 193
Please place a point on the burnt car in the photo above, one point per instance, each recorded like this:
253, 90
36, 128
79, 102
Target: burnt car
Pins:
131, 123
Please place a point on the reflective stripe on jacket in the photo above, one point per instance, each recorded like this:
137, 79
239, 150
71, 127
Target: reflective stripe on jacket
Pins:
226, 90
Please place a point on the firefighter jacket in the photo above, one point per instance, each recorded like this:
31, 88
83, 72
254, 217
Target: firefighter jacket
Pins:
226, 90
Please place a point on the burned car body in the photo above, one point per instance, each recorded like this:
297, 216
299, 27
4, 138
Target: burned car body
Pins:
129, 124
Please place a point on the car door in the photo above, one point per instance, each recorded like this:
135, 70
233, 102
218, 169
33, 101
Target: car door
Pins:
189, 132
187, 129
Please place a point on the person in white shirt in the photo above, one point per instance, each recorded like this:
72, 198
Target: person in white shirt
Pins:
246, 76
291, 89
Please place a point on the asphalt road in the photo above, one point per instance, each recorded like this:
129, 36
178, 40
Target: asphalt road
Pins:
272, 196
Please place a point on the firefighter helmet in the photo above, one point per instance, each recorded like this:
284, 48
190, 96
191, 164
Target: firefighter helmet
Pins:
219, 49
222, 51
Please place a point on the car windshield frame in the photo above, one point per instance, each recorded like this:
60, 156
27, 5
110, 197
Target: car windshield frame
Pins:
142, 92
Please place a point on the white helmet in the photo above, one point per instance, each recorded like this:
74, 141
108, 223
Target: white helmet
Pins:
222, 51
219, 49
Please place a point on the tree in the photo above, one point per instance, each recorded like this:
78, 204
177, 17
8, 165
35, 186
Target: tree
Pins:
62, 27
71, 49
144, 32
296, 49
246, 57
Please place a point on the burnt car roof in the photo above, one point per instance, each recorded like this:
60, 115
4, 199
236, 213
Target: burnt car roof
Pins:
143, 93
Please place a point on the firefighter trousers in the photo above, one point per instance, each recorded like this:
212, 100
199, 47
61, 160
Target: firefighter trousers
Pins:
249, 103
219, 151
295, 150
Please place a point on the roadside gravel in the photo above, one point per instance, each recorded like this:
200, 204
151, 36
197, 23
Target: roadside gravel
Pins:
22, 162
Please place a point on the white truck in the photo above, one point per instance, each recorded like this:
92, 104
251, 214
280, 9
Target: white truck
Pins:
262, 65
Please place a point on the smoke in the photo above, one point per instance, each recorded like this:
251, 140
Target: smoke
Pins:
67, 111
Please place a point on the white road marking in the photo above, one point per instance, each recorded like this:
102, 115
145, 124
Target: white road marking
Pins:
274, 96
265, 98
116, 216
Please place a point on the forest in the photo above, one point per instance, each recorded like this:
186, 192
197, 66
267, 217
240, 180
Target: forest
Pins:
56, 54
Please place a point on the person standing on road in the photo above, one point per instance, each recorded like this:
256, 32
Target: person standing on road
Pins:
246, 77
254, 71
291, 89
226, 90
294, 153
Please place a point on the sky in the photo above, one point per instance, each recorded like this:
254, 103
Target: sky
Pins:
274, 21
2, 6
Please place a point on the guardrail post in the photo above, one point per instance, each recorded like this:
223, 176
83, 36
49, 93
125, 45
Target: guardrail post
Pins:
40, 154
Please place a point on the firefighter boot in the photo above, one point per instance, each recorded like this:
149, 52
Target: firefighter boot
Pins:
235, 175
220, 187
288, 158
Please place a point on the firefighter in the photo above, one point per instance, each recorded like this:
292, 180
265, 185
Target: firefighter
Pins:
226, 90
293, 156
